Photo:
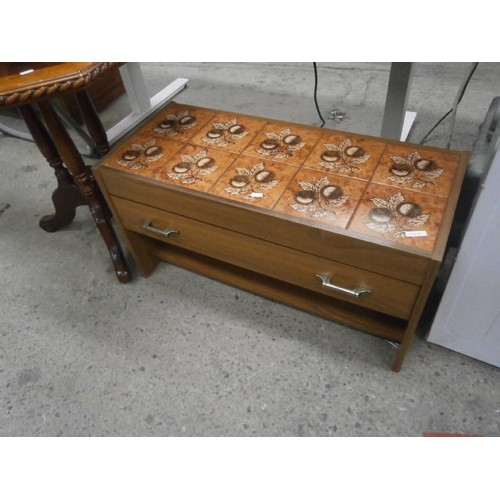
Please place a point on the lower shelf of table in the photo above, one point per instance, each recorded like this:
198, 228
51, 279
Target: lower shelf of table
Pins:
332, 309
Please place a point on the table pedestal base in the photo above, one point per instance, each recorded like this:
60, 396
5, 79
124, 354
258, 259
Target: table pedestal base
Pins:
75, 184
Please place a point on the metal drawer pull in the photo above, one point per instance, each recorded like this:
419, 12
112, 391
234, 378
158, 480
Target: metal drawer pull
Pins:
163, 232
355, 292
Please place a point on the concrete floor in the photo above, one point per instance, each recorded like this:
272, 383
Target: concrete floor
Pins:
181, 355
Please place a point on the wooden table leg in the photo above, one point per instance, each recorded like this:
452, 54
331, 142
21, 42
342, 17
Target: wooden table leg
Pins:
93, 122
66, 196
82, 176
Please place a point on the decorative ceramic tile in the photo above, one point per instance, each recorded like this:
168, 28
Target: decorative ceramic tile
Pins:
399, 215
253, 181
143, 154
177, 121
349, 155
228, 132
320, 197
194, 167
283, 143
417, 168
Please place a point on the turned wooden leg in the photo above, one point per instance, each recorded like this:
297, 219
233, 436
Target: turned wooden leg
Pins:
93, 122
88, 187
66, 196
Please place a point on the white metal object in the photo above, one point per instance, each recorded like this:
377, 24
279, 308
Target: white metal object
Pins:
468, 317
142, 105
135, 86
407, 124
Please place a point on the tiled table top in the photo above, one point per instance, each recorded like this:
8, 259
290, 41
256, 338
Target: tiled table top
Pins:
388, 190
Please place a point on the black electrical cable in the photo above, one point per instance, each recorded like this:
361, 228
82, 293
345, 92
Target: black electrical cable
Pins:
436, 126
453, 108
316, 94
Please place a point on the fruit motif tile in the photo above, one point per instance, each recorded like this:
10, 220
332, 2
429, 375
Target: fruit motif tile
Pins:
194, 167
321, 197
254, 181
177, 121
422, 170
142, 154
344, 154
228, 132
399, 215
284, 143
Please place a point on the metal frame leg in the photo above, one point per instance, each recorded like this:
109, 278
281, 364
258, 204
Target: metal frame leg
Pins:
396, 100
138, 95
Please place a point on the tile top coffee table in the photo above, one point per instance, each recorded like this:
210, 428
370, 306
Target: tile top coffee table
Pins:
349, 227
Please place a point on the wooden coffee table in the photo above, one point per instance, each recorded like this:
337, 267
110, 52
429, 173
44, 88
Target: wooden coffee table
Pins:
31, 87
348, 227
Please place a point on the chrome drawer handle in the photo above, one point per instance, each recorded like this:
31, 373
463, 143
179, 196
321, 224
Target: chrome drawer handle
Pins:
163, 232
355, 292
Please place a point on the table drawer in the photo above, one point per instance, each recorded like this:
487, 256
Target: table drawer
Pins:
325, 276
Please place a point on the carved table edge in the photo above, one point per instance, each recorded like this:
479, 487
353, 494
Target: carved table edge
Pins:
79, 81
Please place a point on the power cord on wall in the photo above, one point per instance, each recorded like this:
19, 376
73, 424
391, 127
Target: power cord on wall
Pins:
316, 94
453, 110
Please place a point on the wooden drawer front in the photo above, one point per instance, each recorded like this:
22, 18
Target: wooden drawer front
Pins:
386, 295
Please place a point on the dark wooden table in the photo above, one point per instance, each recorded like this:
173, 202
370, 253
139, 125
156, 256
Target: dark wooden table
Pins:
31, 87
